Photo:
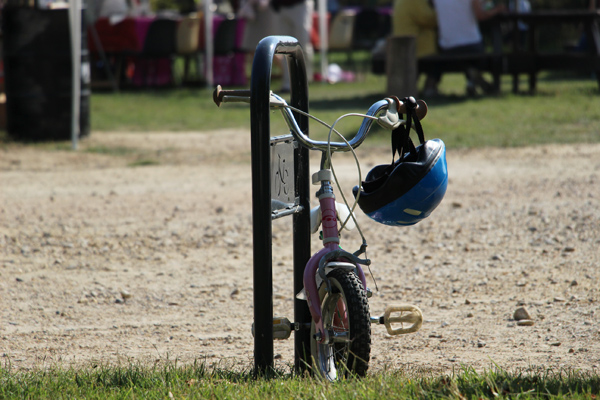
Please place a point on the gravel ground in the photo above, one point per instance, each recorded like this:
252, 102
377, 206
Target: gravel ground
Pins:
106, 260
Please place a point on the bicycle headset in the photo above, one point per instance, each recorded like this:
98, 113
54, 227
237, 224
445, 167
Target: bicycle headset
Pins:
409, 189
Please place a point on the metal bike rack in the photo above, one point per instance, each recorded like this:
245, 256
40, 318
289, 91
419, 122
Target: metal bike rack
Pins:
276, 193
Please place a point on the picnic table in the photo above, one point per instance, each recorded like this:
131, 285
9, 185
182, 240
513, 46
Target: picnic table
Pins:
525, 55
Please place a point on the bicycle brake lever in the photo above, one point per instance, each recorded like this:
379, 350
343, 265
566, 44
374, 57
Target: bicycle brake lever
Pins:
390, 120
276, 101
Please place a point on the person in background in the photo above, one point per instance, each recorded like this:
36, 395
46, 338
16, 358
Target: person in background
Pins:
418, 18
109, 8
584, 42
521, 7
279, 17
295, 19
261, 21
458, 29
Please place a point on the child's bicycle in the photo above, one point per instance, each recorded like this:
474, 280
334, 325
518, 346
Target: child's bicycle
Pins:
401, 193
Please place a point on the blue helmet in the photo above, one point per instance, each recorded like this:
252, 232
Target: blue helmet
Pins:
409, 189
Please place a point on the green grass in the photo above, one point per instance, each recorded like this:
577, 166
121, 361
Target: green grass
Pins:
562, 111
197, 381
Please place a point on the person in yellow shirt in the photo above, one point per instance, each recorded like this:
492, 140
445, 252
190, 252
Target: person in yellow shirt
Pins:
418, 18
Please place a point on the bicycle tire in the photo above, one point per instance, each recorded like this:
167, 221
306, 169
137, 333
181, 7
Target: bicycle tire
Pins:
349, 355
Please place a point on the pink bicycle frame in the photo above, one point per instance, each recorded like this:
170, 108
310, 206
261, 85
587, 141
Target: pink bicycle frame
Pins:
330, 244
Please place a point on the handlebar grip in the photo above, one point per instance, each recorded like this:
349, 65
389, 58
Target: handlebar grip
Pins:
421, 107
219, 95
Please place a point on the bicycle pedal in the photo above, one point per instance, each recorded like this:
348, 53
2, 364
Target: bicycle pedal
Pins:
402, 314
282, 328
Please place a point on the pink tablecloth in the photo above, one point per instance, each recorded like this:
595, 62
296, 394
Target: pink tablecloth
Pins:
125, 36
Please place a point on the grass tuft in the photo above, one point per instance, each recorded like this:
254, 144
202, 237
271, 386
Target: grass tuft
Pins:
112, 151
199, 381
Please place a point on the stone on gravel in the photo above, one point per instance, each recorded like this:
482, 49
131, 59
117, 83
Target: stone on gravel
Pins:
559, 300
521, 314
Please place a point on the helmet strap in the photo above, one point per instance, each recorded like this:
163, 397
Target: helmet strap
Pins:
401, 141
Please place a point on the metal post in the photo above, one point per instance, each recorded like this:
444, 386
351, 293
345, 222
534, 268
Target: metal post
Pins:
301, 220
75, 30
261, 198
401, 66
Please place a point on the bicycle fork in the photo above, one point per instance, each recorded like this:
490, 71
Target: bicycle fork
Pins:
333, 257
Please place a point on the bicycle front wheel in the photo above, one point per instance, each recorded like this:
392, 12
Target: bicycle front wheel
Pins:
347, 321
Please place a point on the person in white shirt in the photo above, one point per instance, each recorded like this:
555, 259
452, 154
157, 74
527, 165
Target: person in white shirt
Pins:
458, 33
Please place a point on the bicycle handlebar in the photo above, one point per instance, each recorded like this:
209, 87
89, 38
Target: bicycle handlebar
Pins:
226, 96
230, 96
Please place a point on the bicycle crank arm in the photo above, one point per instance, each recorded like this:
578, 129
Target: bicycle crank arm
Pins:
283, 328
230, 96
408, 314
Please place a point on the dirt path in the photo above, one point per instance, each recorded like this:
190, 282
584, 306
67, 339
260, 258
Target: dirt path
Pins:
101, 261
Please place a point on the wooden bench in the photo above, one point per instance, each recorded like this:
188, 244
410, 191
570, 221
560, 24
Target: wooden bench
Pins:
525, 56
440, 63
